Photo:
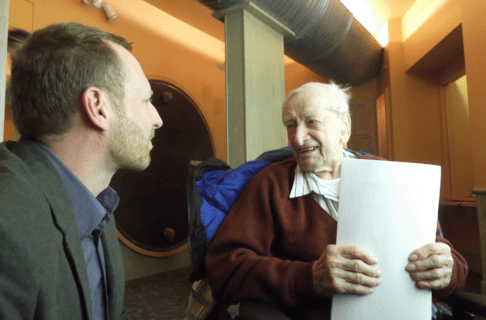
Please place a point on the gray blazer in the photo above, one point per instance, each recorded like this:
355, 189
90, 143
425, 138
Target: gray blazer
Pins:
42, 270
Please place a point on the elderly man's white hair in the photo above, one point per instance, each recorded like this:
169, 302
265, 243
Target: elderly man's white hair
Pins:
332, 96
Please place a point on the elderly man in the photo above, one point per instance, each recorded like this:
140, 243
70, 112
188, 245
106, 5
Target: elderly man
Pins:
275, 251
82, 106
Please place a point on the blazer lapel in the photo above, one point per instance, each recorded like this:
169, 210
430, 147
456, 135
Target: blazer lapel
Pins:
48, 180
115, 274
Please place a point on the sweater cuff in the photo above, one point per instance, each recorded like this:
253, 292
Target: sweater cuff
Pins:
303, 282
459, 272
458, 277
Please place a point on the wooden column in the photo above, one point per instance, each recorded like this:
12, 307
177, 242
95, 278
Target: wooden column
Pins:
3, 61
255, 86
474, 31
481, 209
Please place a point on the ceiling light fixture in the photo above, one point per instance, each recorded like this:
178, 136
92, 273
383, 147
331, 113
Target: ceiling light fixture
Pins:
109, 12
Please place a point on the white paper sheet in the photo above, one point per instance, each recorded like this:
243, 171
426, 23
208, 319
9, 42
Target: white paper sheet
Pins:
389, 208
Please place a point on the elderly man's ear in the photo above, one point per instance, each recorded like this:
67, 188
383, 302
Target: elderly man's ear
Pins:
346, 128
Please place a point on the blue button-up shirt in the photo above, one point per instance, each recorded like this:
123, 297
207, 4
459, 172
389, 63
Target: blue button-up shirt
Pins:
92, 215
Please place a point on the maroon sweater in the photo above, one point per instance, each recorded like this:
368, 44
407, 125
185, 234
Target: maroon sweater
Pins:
266, 246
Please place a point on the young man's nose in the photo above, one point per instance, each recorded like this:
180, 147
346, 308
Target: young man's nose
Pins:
156, 119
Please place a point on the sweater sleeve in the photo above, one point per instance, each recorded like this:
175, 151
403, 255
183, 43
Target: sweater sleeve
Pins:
459, 271
240, 261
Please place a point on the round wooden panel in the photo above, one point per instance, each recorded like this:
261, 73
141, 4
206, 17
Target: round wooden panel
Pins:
152, 215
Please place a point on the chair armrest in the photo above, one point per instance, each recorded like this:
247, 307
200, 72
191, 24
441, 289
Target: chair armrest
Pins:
471, 302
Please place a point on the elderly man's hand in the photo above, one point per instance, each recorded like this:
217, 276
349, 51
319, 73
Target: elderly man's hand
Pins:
345, 269
431, 266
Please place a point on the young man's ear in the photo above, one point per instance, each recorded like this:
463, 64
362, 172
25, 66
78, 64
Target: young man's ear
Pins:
346, 128
94, 105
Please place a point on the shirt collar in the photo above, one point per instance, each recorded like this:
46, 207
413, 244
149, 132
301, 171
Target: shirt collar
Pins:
308, 183
88, 210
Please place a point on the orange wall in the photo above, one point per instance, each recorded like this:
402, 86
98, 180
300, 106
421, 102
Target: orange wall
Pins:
414, 109
297, 75
439, 24
414, 101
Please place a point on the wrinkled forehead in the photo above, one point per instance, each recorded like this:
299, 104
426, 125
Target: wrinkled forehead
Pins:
319, 97
306, 103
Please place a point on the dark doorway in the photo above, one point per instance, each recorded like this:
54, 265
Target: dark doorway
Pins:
152, 215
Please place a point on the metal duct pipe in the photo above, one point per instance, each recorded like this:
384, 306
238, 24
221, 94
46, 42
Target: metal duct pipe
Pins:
328, 40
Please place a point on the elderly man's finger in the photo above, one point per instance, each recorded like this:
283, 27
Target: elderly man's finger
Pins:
431, 262
361, 279
360, 267
341, 285
356, 252
432, 274
357, 289
434, 284
334, 272
429, 250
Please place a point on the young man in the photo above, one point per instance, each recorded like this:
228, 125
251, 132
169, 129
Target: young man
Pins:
81, 104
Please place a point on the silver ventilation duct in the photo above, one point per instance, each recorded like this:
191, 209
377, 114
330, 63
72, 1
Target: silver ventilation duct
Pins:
328, 39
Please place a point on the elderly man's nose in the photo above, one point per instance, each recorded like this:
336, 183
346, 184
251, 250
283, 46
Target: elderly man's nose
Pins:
301, 135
